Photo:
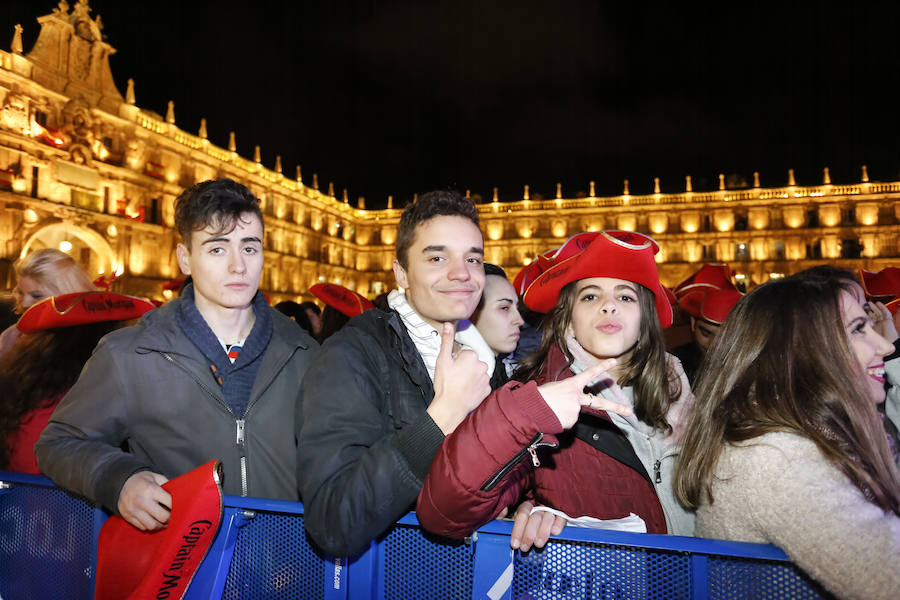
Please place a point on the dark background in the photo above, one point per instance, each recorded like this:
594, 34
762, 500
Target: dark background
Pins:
396, 97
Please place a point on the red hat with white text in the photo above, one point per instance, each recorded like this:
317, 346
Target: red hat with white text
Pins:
338, 297
80, 308
161, 564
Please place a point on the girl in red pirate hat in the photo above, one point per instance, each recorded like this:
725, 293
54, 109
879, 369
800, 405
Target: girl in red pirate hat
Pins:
605, 309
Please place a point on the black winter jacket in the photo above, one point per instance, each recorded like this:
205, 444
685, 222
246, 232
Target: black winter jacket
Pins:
366, 442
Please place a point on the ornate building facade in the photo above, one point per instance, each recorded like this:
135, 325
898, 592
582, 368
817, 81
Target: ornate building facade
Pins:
85, 169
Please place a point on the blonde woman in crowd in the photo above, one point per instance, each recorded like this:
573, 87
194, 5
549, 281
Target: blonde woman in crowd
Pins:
43, 273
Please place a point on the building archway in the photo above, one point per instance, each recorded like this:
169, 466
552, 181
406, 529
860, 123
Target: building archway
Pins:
86, 246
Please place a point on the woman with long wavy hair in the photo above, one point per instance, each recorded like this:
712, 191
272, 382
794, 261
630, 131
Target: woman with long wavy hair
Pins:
786, 446
605, 306
58, 338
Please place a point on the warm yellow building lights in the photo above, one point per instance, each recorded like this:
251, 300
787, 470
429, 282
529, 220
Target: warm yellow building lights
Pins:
80, 164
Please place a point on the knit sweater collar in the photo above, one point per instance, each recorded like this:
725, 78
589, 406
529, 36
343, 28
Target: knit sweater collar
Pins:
198, 331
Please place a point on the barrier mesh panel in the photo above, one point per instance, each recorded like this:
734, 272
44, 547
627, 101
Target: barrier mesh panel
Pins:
734, 578
586, 570
273, 559
46, 537
418, 566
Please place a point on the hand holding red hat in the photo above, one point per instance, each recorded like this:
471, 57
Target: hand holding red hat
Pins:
566, 397
883, 321
143, 502
135, 562
461, 383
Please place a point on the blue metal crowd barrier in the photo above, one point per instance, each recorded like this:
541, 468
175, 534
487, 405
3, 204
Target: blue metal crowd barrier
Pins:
48, 550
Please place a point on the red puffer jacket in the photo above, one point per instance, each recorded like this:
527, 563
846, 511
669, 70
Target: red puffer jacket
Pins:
513, 447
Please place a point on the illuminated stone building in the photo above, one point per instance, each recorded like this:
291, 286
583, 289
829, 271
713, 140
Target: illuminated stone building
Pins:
85, 169
760, 232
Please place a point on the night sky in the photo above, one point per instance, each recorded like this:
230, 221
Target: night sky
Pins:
396, 97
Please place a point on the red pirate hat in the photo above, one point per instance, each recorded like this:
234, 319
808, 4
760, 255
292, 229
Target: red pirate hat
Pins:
691, 291
79, 308
718, 303
547, 259
670, 296
710, 275
140, 564
621, 254
337, 296
883, 286
529, 273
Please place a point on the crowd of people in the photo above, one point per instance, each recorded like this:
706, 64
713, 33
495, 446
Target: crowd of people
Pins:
778, 424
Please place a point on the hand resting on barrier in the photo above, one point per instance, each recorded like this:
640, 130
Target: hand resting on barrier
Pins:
533, 528
143, 503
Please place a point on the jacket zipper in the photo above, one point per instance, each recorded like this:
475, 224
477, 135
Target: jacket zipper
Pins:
529, 450
242, 448
657, 476
239, 423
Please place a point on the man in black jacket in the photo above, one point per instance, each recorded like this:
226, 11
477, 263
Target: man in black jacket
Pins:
387, 388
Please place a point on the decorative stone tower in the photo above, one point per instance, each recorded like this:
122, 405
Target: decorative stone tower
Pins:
70, 57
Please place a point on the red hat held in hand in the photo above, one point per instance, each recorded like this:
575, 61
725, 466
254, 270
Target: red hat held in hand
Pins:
160, 564
883, 286
79, 308
620, 254
338, 297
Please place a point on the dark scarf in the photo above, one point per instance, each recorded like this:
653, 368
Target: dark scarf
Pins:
236, 379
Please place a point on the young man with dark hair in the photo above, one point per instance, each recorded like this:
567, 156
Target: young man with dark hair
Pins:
389, 386
213, 374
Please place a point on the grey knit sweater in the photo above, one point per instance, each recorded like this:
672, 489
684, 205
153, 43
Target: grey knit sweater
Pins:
779, 489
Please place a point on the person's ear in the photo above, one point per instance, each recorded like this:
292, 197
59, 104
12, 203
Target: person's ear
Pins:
400, 275
183, 255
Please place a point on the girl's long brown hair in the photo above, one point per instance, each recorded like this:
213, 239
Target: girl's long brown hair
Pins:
655, 387
783, 362
39, 368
